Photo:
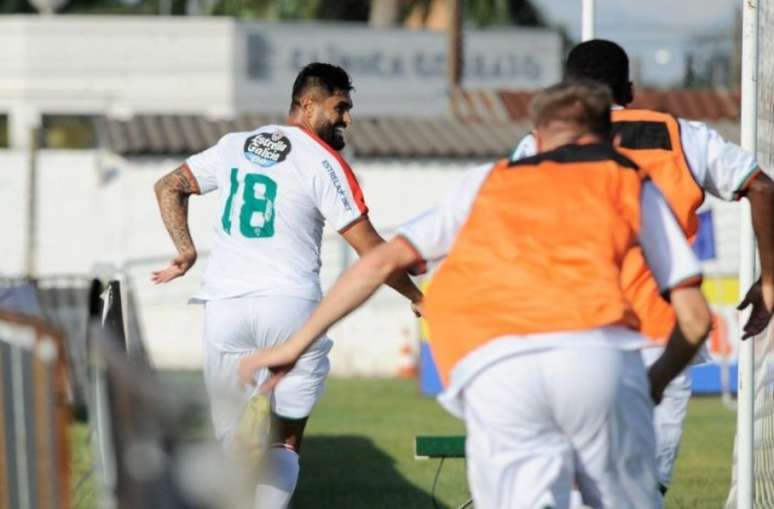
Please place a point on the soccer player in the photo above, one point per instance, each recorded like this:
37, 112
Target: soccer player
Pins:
279, 185
535, 342
685, 159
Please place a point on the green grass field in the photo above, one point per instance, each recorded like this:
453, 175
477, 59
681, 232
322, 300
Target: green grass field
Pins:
358, 450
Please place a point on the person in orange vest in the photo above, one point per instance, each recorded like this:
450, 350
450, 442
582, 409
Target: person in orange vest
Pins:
685, 159
536, 344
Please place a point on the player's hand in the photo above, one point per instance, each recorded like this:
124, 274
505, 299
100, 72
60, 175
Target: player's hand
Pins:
418, 308
179, 265
249, 366
761, 298
276, 374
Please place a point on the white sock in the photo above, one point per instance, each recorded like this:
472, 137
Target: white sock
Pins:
278, 480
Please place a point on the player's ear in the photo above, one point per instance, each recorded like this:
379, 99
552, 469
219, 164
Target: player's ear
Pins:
617, 140
308, 104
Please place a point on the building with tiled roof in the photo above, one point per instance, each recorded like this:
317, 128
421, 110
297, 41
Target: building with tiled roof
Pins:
147, 93
481, 124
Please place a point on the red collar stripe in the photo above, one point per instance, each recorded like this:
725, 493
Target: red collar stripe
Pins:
354, 187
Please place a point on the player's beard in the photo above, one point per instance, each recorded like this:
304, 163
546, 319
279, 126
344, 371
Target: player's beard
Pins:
333, 134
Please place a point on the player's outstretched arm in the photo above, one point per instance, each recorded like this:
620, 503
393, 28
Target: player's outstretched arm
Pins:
352, 289
693, 325
760, 296
678, 273
172, 192
363, 238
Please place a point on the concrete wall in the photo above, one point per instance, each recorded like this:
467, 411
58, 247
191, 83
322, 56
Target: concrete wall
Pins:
95, 208
113, 63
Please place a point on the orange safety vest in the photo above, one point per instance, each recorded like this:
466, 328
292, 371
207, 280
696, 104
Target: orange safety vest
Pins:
541, 251
652, 140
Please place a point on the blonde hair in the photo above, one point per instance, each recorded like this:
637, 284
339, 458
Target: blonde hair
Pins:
584, 105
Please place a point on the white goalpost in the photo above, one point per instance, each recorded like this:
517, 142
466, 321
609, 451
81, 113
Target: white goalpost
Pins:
745, 471
587, 31
753, 479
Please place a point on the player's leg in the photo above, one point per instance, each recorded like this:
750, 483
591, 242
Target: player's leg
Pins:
668, 419
227, 336
279, 473
516, 456
293, 399
234, 328
610, 422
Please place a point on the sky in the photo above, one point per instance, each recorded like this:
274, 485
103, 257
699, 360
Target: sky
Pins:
655, 33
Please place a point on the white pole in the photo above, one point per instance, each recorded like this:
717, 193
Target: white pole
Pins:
746, 383
587, 31
31, 264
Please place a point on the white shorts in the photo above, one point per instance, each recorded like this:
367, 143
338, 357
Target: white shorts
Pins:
537, 422
236, 327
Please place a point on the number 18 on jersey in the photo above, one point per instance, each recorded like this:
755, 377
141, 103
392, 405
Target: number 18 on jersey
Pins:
256, 214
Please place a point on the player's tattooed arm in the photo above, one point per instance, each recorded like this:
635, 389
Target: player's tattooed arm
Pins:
172, 193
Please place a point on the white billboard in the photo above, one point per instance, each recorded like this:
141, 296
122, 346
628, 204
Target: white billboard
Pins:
394, 71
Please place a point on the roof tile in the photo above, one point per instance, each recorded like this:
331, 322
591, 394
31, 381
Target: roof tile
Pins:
473, 132
710, 105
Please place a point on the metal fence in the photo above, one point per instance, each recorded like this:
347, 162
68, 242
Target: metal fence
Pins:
34, 426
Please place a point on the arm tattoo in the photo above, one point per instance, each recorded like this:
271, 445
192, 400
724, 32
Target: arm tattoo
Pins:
172, 192
184, 181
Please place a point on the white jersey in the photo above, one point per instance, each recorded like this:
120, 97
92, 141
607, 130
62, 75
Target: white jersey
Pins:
278, 186
721, 168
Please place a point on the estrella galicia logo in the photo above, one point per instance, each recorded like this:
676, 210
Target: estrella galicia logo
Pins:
267, 149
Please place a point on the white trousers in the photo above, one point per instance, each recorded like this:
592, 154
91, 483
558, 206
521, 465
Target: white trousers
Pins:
236, 327
536, 422
668, 418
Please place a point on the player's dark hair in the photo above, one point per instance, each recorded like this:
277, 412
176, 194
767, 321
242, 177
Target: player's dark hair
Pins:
585, 105
328, 77
603, 61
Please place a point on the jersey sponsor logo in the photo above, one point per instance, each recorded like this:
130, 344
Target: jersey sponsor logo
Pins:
267, 149
337, 184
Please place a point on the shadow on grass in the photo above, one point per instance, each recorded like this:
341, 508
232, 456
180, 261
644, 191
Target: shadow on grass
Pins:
351, 472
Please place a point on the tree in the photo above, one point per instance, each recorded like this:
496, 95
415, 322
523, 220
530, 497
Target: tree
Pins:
288, 10
382, 13
479, 13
